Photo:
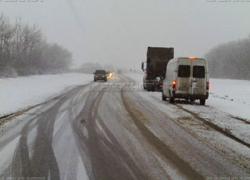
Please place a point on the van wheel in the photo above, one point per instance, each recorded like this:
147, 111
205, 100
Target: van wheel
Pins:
163, 97
171, 99
202, 101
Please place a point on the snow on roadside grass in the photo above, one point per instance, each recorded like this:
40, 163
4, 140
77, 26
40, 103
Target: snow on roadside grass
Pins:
229, 96
18, 93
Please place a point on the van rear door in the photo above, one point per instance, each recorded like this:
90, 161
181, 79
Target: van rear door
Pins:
184, 72
198, 77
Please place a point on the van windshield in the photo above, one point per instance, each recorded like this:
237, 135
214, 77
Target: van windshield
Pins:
184, 71
199, 72
100, 72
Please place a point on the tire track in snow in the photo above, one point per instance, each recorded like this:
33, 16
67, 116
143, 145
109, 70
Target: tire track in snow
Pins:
164, 150
43, 163
108, 160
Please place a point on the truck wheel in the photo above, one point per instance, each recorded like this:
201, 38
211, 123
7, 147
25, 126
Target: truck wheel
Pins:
163, 97
148, 87
152, 88
202, 101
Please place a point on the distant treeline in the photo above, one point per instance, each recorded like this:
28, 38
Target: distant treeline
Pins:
230, 60
24, 51
90, 68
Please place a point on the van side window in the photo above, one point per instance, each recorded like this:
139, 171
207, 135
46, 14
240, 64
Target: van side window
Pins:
184, 71
199, 72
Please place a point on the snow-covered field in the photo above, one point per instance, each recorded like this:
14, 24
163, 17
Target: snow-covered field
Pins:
229, 96
18, 93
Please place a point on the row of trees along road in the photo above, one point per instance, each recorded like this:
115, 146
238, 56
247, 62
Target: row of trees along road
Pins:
24, 51
230, 60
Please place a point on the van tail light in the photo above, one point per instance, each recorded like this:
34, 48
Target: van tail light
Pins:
174, 84
207, 85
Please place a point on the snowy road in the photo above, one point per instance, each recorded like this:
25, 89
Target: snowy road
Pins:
93, 132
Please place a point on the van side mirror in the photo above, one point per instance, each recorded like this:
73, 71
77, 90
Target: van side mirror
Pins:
142, 66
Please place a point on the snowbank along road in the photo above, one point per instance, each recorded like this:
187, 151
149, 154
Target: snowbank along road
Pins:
103, 132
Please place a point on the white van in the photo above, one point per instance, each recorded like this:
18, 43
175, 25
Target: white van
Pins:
187, 78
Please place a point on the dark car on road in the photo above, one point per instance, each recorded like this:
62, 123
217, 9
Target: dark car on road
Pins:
100, 75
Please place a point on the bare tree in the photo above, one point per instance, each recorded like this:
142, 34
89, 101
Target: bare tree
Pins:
24, 51
230, 60
6, 35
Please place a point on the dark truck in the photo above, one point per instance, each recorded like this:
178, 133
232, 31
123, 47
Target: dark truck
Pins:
157, 60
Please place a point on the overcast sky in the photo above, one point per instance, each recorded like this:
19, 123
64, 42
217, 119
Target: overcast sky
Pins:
118, 32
